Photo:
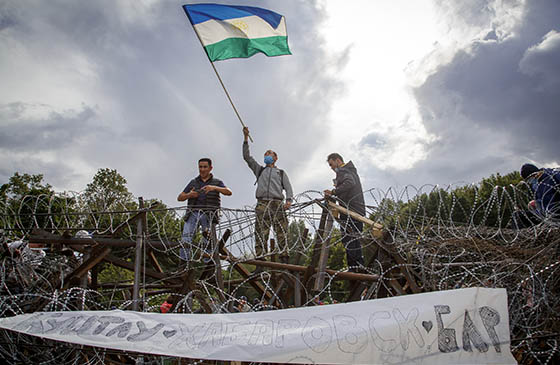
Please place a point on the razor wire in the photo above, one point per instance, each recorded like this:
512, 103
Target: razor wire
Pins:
446, 238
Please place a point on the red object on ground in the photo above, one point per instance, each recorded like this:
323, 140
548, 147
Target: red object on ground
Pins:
165, 307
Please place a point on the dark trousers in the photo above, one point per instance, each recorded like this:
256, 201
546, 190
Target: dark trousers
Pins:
351, 233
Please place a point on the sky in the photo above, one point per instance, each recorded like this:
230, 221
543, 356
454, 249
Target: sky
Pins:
413, 92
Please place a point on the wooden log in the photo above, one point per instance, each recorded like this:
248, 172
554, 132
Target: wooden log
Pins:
40, 236
316, 248
96, 257
323, 255
130, 266
297, 291
376, 228
303, 269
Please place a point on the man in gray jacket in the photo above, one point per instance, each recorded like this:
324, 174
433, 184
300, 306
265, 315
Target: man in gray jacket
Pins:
348, 189
270, 209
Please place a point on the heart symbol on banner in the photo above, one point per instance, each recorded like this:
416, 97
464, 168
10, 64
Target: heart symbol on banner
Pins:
168, 334
427, 325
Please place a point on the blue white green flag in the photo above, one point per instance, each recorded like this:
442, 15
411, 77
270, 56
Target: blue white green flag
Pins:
227, 31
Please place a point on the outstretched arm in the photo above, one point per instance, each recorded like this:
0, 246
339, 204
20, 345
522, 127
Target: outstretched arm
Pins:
251, 162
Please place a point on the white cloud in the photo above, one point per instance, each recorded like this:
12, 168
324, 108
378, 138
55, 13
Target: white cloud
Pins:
542, 59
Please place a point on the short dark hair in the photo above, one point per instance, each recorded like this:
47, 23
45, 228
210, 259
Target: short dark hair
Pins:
333, 156
206, 159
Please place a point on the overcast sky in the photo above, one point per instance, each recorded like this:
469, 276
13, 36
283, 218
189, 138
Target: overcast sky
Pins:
414, 92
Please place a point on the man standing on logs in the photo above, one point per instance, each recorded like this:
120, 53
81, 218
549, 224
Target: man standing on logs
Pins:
348, 190
203, 195
270, 209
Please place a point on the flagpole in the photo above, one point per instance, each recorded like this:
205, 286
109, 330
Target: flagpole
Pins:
218, 75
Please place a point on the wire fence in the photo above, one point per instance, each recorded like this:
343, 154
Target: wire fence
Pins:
447, 237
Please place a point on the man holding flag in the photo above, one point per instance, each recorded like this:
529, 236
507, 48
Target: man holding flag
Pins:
232, 31
270, 209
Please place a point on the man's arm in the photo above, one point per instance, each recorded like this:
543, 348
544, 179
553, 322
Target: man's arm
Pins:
187, 193
251, 162
289, 191
184, 196
220, 189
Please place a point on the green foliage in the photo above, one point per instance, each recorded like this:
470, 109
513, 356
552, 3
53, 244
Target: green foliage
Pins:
490, 202
20, 186
297, 240
25, 203
107, 191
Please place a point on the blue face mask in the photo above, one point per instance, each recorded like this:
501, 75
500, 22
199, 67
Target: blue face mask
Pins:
533, 183
268, 160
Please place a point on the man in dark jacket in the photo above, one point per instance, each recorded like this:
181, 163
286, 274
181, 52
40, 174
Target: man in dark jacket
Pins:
203, 195
348, 189
545, 184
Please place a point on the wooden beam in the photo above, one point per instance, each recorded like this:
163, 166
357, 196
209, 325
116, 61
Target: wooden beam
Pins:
130, 266
39, 236
376, 228
297, 268
316, 248
96, 257
323, 255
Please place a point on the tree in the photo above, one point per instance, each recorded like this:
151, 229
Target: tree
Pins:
26, 202
490, 202
107, 190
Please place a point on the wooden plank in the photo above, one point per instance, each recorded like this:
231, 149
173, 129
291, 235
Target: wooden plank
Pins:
153, 260
96, 257
403, 268
323, 255
130, 266
376, 228
297, 291
345, 275
40, 236
316, 248
215, 246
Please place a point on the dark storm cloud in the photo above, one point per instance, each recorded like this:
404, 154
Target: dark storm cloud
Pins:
495, 105
23, 133
161, 106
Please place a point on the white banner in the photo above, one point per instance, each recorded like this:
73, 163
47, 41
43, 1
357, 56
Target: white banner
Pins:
463, 326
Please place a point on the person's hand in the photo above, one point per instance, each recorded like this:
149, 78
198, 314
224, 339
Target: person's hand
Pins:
287, 204
328, 193
208, 188
245, 133
193, 194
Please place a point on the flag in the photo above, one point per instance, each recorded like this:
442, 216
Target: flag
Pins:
238, 31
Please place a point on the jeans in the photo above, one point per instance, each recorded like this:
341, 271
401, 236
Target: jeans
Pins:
196, 218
